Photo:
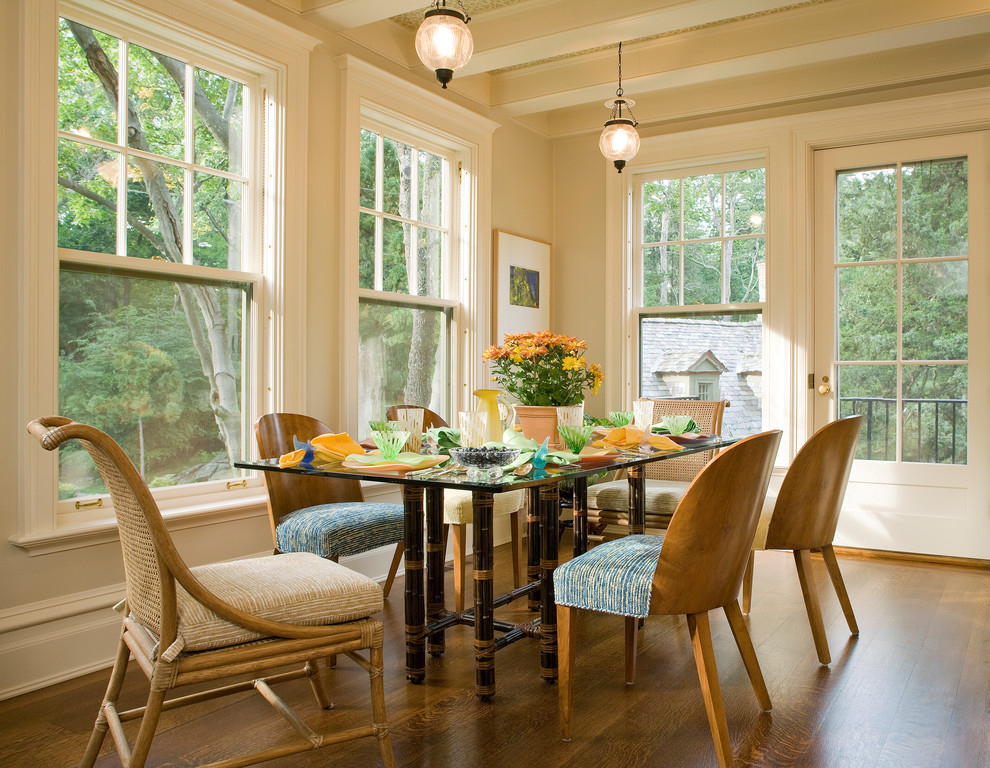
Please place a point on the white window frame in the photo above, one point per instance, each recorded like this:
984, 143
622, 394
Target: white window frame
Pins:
372, 97
226, 42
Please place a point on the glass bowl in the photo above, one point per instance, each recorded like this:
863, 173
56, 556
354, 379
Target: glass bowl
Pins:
484, 463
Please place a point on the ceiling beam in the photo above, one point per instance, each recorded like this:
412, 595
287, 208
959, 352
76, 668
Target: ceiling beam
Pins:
339, 15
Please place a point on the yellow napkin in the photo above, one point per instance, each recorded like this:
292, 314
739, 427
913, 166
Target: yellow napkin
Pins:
326, 449
630, 437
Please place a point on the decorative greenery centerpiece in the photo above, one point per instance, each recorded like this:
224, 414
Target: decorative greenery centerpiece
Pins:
543, 368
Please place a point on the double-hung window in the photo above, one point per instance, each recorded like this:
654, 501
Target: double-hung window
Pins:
699, 264
159, 213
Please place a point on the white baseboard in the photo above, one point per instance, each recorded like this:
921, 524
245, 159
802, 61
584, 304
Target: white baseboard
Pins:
53, 640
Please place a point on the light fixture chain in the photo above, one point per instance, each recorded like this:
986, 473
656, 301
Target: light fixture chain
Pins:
618, 91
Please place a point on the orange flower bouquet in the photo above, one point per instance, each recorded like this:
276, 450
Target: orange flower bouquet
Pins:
543, 368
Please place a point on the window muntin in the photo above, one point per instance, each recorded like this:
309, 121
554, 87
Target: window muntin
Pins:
155, 336
700, 254
406, 274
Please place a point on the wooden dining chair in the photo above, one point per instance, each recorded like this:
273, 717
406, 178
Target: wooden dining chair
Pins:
802, 517
458, 514
267, 619
666, 481
695, 568
327, 516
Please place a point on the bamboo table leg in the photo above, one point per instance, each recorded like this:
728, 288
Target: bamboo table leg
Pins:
637, 499
435, 556
549, 520
533, 543
412, 502
484, 595
580, 509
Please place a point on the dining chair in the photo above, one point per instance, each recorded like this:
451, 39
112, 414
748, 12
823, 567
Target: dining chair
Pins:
222, 622
458, 514
802, 517
693, 569
327, 516
666, 481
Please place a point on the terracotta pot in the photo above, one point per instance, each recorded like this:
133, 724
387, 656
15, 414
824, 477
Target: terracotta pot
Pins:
539, 422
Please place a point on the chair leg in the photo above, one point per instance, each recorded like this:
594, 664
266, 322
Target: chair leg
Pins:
704, 659
745, 645
319, 690
517, 553
632, 638
802, 559
747, 596
113, 691
828, 555
379, 717
460, 544
565, 667
399, 549
149, 724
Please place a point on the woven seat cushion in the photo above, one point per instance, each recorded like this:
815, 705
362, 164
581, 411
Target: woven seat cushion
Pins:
614, 577
457, 506
662, 496
293, 588
339, 530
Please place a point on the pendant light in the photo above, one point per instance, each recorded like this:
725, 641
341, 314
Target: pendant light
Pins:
443, 40
619, 141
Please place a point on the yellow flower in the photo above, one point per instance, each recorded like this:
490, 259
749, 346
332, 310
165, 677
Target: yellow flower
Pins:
570, 363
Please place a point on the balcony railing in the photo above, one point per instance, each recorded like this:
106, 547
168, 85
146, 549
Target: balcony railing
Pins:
935, 429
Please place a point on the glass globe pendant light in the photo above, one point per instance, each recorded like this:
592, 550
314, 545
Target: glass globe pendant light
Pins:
443, 40
619, 141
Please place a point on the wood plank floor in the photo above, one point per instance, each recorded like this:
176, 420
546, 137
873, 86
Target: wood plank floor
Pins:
912, 691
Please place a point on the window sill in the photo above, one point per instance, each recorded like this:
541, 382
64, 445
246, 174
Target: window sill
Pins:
105, 531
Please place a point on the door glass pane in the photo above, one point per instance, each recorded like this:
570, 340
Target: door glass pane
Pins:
870, 390
661, 276
866, 212
129, 364
403, 357
661, 211
934, 413
935, 209
935, 310
866, 304
710, 357
703, 273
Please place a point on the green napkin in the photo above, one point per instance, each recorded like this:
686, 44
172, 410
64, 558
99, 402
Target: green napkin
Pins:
407, 457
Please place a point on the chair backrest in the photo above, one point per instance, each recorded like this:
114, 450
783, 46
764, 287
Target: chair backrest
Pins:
710, 535
707, 414
288, 492
431, 420
150, 558
810, 498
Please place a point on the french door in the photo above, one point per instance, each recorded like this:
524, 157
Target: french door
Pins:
902, 336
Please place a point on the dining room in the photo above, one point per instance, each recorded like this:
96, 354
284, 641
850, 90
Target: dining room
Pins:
241, 208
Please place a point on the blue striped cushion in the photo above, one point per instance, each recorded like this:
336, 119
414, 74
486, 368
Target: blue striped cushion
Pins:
339, 530
614, 577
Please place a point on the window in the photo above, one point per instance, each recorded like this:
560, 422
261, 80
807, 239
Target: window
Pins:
159, 263
699, 261
406, 276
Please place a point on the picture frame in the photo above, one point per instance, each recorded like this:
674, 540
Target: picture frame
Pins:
521, 281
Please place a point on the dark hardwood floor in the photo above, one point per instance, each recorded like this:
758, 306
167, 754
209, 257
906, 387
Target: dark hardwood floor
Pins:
912, 691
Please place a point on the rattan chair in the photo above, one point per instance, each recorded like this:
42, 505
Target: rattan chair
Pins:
802, 517
227, 620
695, 568
666, 481
458, 513
327, 516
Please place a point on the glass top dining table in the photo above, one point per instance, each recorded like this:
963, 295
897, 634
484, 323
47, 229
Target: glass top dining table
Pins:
426, 615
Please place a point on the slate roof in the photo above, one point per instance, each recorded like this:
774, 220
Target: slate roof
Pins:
674, 345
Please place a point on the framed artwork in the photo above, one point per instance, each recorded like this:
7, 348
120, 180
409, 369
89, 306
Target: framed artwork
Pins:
521, 282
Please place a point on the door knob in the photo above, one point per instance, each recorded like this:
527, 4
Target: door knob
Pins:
824, 388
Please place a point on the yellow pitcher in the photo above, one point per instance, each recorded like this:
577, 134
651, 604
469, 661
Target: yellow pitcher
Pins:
488, 403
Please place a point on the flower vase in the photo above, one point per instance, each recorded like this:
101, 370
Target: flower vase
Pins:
539, 422
488, 403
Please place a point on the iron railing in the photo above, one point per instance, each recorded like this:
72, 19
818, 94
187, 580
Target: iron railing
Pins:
935, 429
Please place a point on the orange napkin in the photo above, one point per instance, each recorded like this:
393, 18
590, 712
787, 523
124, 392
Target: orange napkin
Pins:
325, 449
630, 437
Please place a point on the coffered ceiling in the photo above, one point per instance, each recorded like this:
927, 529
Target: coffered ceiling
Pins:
552, 64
